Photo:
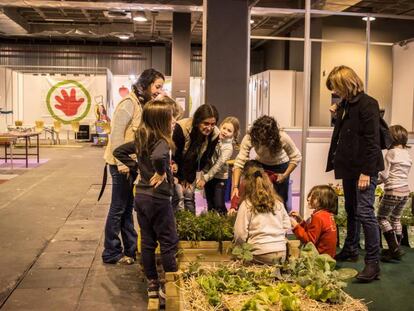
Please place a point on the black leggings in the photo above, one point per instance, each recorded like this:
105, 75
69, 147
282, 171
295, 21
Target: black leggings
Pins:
215, 190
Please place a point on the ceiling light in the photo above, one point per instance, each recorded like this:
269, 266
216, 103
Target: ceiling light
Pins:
139, 16
123, 37
251, 21
371, 18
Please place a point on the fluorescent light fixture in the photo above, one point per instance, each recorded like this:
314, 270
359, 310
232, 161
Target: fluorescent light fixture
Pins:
123, 37
139, 16
371, 18
251, 21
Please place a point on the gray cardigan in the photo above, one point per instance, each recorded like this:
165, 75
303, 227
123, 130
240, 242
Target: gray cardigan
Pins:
217, 166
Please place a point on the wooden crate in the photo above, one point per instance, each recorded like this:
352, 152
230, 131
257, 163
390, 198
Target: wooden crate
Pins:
207, 252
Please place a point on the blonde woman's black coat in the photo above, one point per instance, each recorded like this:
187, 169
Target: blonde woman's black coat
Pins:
355, 144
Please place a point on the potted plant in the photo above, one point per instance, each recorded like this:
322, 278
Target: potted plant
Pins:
209, 234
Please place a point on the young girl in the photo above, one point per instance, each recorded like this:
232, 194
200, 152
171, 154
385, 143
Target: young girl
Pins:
395, 179
153, 145
320, 229
216, 173
275, 151
262, 220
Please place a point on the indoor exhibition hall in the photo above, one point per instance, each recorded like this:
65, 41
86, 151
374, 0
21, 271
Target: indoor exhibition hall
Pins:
207, 155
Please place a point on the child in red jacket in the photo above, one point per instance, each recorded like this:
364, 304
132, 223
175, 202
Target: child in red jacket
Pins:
320, 229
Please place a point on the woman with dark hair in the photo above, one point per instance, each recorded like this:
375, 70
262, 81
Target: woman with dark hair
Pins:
195, 139
275, 151
356, 158
125, 121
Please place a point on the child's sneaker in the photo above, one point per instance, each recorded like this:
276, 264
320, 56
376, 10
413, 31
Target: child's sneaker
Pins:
153, 288
162, 296
126, 261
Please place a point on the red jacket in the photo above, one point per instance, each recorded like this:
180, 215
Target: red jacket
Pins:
320, 230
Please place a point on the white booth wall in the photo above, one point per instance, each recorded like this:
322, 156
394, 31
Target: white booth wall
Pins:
122, 82
402, 109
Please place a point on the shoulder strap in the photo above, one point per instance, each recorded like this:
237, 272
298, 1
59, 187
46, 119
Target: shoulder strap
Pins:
104, 180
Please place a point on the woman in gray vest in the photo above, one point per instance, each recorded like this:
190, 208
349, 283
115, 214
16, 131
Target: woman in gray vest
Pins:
125, 120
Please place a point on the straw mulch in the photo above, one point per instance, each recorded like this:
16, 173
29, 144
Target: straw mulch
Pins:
195, 300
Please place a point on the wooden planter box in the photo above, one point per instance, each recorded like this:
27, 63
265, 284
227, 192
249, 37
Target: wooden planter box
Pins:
208, 252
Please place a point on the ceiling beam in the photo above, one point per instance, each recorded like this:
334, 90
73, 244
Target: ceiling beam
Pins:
40, 12
100, 5
63, 12
100, 30
17, 18
87, 15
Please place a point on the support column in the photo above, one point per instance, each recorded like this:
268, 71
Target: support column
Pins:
226, 57
181, 58
158, 58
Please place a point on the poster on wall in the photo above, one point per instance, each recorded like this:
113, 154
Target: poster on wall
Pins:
71, 98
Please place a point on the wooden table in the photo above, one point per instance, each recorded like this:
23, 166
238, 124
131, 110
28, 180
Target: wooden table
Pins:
21, 135
8, 141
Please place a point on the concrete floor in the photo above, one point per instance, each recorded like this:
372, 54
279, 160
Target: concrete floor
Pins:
51, 231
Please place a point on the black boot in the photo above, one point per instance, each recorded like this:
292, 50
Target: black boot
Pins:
370, 272
346, 256
394, 251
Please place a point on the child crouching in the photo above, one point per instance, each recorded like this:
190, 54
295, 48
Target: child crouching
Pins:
262, 220
320, 229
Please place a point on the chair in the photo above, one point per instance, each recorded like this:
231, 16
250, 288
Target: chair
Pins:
57, 126
18, 123
39, 126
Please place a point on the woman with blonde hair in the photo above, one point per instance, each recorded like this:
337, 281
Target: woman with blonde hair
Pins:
356, 158
262, 220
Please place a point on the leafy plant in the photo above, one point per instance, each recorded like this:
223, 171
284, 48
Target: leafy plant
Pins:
243, 252
316, 274
209, 226
188, 228
271, 295
407, 217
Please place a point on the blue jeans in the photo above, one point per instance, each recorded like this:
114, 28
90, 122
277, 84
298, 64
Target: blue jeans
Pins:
157, 223
359, 206
120, 220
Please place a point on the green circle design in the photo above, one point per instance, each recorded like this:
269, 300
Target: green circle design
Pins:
79, 85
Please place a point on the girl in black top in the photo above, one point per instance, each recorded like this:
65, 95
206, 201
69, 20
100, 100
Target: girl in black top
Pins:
153, 146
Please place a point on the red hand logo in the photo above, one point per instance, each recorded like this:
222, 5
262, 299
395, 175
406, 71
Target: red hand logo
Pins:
69, 104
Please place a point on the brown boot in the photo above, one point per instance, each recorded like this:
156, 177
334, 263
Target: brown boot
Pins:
370, 272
